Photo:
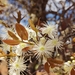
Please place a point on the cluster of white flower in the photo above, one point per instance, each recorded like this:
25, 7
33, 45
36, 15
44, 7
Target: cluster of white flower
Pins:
44, 44
48, 40
17, 66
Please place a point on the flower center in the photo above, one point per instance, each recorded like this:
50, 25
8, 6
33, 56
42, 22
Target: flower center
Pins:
54, 42
42, 48
17, 65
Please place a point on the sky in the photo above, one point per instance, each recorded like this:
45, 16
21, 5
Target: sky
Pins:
47, 8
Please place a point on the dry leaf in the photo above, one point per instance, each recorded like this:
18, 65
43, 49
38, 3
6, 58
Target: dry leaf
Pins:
72, 71
19, 18
3, 68
38, 73
32, 25
1, 50
63, 25
73, 54
52, 64
13, 35
26, 49
11, 42
2, 54
40, 23
22, 32
44, 73
55, 61
4, 24
11, 54
46, 66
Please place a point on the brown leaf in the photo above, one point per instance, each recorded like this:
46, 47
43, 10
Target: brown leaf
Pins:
26, 49
55, 61
2, 54
1, 50
4, 24
11, 54
1, 11
46, 66
32, 25
72, 71
52, 64
40, 23
19, 18
73, 54
63, 25
38, 73
13, 35
11, 42
3, 68
22, 32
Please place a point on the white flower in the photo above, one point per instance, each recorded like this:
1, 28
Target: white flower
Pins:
42, 40
50, 30
5, 47
43, 50
55, 43
19, 48
31, 34
17, 66
67, 67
